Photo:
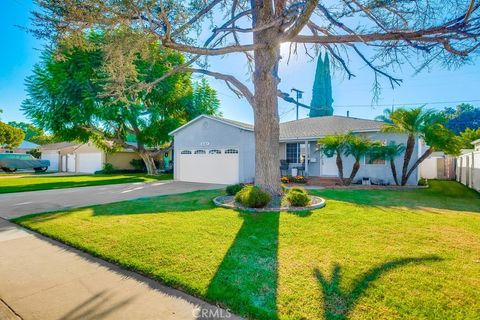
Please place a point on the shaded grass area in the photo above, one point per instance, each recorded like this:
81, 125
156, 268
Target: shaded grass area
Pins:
368, 254
35, 182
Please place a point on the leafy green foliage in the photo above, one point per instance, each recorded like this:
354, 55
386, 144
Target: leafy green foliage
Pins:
35, 153
108, 168
464, 116
422, 182
234, 189
78, 94
33, 133
426, 124
298, 197
204, 100
468, 136
332, 145
10, 137
253, 197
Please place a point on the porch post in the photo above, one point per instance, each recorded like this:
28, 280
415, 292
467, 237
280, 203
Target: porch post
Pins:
307, 156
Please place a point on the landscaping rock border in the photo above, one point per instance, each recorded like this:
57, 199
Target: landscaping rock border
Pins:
230, 203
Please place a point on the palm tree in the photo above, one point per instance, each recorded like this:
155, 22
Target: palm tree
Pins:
389, 153
429, 126
357, 147
334, 145
385, 117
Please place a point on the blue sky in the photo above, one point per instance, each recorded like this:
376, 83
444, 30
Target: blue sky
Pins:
20, 51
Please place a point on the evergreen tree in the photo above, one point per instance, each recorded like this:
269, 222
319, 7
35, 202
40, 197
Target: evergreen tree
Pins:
322, 90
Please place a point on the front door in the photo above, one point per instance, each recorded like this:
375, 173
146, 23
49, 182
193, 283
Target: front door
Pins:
328, 166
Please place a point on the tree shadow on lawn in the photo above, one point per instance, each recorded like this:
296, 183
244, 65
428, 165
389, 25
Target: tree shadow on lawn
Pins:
453, 197
246, 279
338, 304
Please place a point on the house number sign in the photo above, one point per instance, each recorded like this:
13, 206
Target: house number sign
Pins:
204, 144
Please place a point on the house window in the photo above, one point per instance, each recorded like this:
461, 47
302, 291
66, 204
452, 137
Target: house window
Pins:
372, 158
295, 152
231, 151
186, 152
214, 151
200, 151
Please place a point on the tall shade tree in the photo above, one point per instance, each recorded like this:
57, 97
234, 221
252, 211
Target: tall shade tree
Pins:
357, 147
334, 146
69, 96
33, 133
390, 153
468, 136
429, 126
10, 137
204, 100
395, 32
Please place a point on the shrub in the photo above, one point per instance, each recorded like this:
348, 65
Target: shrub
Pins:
139, 165
284, 179
298, 197
299, 179
234, 189
108, 168
422, 182
253, 197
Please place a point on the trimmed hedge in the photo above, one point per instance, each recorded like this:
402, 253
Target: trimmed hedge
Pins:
298, 197
234, 189
253, 197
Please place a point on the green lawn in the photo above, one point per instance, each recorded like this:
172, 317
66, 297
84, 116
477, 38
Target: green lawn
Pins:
366, 255
32, 182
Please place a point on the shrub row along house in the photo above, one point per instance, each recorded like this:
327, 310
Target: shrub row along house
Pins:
218, 150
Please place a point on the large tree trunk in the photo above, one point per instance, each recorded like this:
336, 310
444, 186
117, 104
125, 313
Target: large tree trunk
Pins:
356, 167
149, 163
265, 108
419, 160
406, 159
339, 163
394, 171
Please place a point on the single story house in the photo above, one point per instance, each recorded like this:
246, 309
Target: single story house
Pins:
24, 147
218, 150
84, 157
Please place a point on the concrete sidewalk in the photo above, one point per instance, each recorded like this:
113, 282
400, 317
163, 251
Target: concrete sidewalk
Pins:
13, 205
46, 280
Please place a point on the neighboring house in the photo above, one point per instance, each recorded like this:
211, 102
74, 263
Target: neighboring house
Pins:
468, 166
24, 147
438, 166
84, 157
217, 150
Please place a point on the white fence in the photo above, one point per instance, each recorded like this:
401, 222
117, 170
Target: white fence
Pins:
468, 169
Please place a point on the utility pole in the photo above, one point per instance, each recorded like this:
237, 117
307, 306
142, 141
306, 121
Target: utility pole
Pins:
299, 96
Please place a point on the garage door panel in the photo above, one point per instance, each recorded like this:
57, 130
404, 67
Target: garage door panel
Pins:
209, 167
89, 162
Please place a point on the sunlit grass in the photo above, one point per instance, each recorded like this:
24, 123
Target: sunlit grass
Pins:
366, 255
33, 182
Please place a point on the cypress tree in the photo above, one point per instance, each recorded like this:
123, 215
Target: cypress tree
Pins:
322, 100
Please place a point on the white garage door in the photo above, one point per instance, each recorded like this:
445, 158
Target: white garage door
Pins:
89, 162
209, 165
53, 158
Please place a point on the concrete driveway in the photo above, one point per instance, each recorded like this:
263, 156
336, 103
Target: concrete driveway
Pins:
13, 205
